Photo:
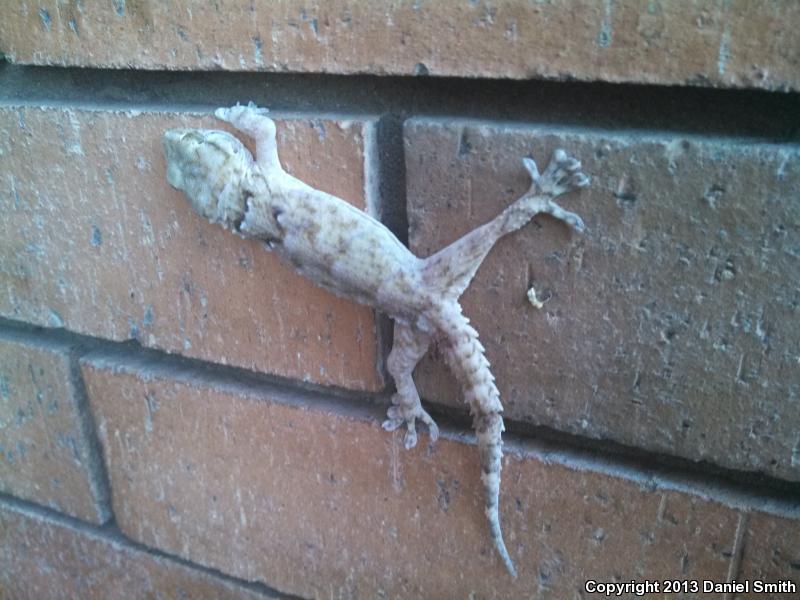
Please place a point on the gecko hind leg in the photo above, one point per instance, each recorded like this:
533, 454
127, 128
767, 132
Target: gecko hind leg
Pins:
408, 347
449, 271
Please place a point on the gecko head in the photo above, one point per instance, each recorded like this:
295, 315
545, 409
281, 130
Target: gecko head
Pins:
210, 167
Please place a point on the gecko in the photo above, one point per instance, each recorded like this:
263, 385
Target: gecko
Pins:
346, 251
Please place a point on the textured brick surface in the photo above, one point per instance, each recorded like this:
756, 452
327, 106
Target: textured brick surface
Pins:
45, 455
771, 551
748, 43
93, 239
42, 557
322, 502
672, 324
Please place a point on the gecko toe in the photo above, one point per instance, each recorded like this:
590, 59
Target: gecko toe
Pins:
407, 414
580, 180
433, 429
410, 440
562, 175
259, 110
392, 424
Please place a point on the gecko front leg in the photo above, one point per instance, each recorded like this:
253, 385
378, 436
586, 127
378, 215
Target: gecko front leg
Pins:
254, 122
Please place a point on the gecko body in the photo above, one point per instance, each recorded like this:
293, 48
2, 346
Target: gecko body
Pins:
346, 251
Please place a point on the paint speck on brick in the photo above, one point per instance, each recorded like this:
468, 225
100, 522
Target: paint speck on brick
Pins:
598, 536
44, 16
713, 194
723, 55
97, 236
54, 319
512, 32
119, 7
605, 37
319, 127
464, 146
34, 249
151, 406
5, 390
258, 51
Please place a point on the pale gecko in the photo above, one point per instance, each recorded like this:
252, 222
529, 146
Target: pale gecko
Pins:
346, 251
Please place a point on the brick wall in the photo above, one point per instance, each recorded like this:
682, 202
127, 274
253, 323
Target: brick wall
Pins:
181, 415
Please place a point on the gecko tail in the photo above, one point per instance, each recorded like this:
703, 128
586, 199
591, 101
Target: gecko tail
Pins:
489, 429
466, 358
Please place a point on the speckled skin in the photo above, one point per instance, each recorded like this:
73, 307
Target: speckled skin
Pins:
351, 254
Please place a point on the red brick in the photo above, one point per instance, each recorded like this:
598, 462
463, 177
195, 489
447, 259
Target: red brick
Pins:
319, 501
671, 325
743, 43
771, 551
45, 453
45, 557
95, 240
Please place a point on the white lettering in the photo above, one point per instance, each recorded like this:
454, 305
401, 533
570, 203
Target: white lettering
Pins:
733, 587
777, 587
637, 588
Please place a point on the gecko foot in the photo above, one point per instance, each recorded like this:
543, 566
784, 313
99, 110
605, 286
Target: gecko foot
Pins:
562, 175
402, 413
254, 122
239, 115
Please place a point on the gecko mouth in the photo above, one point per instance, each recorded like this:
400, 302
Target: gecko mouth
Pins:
239, 219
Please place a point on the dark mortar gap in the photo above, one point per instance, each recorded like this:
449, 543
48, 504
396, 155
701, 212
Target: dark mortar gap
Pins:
392, 175
761, 115
698, 475
111, 533
394, 210
98, 476
130, 357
